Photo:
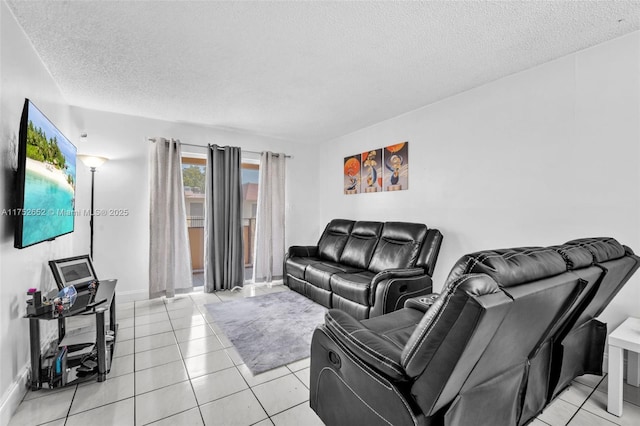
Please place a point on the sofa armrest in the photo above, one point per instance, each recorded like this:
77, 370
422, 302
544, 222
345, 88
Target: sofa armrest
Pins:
422, 303
396, 273
367, 345
302, 251
389, 293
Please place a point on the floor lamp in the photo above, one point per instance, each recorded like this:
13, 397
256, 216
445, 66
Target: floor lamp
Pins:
93, 163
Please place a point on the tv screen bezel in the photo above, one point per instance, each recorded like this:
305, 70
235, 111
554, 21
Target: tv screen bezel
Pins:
22, 173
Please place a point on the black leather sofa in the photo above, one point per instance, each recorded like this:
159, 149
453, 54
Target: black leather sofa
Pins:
365, 268
509, 331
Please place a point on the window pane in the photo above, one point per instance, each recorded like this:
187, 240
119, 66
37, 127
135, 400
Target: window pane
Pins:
250, 175
193, 176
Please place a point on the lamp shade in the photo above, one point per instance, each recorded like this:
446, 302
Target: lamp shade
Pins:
92, 161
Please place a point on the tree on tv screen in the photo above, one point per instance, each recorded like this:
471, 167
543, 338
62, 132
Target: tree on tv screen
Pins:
40, 148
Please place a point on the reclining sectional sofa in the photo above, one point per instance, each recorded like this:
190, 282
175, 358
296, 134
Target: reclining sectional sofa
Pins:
365, 268
510, 330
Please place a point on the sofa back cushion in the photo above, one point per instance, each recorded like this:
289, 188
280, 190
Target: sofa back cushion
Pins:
361, 244
399, 246
334, 238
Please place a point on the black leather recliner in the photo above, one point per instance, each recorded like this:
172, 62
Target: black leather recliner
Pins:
510, 330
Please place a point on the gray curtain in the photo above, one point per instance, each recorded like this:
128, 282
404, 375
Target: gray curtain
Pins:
169, 252
223, 249
269, 247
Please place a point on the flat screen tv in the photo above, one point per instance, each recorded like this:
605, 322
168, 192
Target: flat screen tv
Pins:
46, 181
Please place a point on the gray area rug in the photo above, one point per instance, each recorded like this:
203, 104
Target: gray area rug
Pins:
270, 330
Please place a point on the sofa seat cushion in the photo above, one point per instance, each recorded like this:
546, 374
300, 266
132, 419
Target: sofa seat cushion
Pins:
296, 266
319, 274
396, 326
353, 286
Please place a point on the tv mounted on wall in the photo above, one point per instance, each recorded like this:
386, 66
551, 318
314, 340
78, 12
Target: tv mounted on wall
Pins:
46, 181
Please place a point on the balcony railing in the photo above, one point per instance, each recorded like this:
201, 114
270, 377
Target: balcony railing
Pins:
195, 221
196, 236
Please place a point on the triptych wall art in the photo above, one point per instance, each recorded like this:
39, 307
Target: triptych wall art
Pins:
377, 170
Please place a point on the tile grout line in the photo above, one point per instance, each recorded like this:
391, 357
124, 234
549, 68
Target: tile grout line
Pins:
66, 418
581, 406
257, 399
287, 409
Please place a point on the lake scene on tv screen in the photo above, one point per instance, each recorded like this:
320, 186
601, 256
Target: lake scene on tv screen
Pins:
50, 181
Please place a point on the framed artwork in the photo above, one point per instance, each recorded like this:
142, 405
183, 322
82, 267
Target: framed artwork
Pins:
396, 167
352, 174
371, 171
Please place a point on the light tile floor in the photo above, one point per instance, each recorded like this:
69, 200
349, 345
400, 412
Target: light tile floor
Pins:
173, 366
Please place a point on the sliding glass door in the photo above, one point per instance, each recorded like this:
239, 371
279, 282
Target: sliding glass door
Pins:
193, 175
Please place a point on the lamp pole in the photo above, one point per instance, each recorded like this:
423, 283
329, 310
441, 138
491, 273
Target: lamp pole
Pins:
93, 175
93, 163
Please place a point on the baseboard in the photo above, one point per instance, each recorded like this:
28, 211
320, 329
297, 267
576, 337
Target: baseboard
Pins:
14, 396
16, 392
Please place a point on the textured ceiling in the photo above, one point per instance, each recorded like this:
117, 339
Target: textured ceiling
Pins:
302, 71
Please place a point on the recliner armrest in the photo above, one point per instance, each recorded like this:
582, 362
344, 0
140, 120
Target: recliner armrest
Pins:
390, 289
302, 251
422, 303
367, 345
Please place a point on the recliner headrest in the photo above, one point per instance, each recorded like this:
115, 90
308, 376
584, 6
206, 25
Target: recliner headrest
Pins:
340, 226
512, 266
576, 257
602, 248
404, 231
367, 229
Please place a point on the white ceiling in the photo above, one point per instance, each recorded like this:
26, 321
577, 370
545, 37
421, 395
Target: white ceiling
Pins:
302, 71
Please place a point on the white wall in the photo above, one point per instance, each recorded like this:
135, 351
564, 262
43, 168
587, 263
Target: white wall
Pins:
121, 243
537, 158
22, 75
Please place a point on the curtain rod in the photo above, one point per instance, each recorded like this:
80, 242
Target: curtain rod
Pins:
220, 148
